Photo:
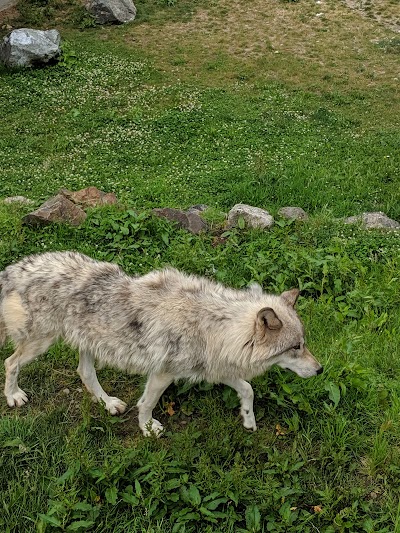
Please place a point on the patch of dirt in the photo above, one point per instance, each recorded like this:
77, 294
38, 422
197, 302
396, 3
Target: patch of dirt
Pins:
321, 42
7, 17
384, 12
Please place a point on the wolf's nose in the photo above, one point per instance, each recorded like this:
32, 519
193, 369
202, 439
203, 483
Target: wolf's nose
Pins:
320, 370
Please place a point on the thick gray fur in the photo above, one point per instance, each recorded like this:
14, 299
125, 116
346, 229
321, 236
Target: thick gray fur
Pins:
166, 324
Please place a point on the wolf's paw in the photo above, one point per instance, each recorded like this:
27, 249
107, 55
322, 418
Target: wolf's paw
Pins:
249, 420
115, 406
152, 427
17, 399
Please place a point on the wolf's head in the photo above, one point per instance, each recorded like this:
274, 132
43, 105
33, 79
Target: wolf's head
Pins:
279, 337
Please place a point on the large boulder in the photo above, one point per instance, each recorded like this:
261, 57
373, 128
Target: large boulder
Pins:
374, 220
28, 48
112, 11
254, 217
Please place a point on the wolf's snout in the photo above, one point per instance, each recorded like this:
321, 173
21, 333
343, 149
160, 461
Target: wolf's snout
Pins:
320, 370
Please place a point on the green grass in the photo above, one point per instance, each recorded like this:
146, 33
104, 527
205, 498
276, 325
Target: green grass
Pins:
326, 455
109, 120
339, 450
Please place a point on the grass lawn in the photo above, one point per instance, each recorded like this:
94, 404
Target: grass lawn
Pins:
270, 103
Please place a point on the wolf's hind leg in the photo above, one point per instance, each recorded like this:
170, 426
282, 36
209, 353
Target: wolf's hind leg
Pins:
155, 386
87, 373
246, 395
26, 351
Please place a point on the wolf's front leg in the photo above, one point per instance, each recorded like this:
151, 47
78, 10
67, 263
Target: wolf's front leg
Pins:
88, 375
246, 395
155, 386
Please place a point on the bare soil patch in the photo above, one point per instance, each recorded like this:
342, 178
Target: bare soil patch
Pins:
386, 12
324, 45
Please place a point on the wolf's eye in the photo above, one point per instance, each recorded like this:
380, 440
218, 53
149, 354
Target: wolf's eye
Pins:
297, 347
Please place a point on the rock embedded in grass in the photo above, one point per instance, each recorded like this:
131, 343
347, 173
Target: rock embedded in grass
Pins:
373, 220
293, 213
89, 197
26, 47
56, 209
188, 220
254, 217
198, 208
67, 206
112, 11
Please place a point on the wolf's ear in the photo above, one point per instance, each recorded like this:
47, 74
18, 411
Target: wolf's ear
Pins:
290, 297
266, 317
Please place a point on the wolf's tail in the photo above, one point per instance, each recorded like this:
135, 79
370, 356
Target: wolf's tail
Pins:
3, 330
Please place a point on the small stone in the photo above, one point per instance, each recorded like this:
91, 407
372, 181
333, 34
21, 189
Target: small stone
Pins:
253, 216
189, 221
66, 391
373, 220
198, 208
293, 213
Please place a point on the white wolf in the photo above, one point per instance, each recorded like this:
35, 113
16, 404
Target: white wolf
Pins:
166, 324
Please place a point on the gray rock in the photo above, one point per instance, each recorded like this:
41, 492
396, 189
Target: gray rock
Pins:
293, 213
27, 48
253, 216
112, 11
56, 209
17, 200
373, 220
198, 208
189, 221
